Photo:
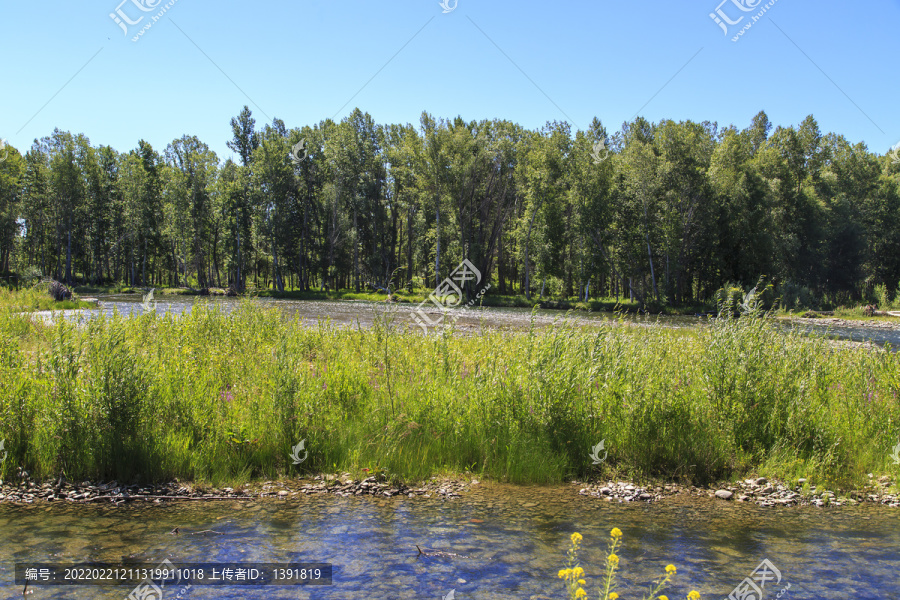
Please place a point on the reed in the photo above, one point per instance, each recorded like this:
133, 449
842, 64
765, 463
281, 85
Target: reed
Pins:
218, 397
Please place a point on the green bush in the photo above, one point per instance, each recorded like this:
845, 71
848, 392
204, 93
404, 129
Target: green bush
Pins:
797, 297
882, 296
729, 298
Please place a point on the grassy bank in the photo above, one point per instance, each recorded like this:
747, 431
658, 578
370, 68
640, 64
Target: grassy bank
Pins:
30, 300
216, 398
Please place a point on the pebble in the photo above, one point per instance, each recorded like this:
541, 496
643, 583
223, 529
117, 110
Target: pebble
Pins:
28, 491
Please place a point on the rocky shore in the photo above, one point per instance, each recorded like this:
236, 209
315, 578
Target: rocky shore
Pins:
835, 322
760, 491
27, 491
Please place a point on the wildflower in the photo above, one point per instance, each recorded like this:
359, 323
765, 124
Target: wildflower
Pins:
613, 560
576, 537
577, 571
670, 569
581, 582
616, 532
694, 595
663, 598
580, 593
613, 596
563, 573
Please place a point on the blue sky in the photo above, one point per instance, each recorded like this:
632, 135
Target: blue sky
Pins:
68, 65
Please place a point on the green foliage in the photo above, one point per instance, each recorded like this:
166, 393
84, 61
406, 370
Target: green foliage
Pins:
797, 297
729, 298
209, 396
882, 296
658, 213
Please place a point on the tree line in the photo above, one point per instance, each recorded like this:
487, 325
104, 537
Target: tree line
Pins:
662, 212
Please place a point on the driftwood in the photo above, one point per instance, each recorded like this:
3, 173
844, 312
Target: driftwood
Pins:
438, 553
177, 530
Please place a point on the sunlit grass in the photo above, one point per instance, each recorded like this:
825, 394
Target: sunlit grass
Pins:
34, 299
222, 398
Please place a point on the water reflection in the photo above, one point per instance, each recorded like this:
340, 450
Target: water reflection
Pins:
513, 541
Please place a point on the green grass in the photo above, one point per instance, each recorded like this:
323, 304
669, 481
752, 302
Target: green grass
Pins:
219, 398
30, 300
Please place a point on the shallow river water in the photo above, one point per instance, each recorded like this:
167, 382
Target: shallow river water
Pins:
362, 314
511, 541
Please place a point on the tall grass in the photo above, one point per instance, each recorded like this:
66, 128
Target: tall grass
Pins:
222, 398
35, 298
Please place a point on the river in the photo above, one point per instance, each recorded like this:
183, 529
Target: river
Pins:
511, 540
362, 314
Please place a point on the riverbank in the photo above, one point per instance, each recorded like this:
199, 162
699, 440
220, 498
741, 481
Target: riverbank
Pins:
891, 323
36, 300
228, 398
758, 490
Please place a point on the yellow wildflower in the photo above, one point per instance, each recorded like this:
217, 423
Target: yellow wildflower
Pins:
576, 537
563, 573
670, 569
694, 595
581, 582
580, 593
578, 571
663, 598
613, 596
616, 532
613, 560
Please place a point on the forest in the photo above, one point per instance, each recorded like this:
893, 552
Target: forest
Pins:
663, 213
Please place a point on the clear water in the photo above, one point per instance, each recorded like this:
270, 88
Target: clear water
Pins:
513, 541
362, 314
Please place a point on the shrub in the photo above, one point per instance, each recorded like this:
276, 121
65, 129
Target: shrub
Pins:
729, 298
794, 296
882, 296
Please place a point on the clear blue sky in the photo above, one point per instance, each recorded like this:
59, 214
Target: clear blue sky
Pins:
527, 61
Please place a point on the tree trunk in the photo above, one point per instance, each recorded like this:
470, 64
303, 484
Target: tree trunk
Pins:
437, 254
355, 253
409, 248
527, 246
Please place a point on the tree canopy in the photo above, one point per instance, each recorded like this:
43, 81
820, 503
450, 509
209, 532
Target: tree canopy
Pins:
665, 212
